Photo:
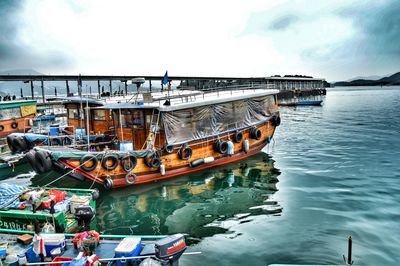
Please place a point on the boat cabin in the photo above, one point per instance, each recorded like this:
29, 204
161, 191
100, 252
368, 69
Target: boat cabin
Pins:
15, 116
173, 120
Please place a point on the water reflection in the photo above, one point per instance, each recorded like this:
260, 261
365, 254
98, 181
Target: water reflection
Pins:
200, 204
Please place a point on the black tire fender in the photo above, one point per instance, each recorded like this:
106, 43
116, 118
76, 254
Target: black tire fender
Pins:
43, 162
238, 137
255, 133
276, 120
168, 149
185, 152
221, 146
108, 183
130, 178
128, 162
152, 160
10, 140
30, 158
20, 144
95, 194
113, 158
88, 158
14, 125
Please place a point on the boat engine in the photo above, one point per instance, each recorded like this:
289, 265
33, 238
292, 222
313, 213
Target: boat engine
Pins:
84, 216
168, 250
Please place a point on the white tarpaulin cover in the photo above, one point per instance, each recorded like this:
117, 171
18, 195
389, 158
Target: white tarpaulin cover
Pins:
199, 122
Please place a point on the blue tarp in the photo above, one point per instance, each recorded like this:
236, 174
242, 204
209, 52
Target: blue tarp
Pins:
9, 195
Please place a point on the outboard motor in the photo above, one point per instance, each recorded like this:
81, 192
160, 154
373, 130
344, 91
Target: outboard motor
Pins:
84, 215
168, 250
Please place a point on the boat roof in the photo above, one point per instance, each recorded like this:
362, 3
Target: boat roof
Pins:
189, 99
77, 99
16, 103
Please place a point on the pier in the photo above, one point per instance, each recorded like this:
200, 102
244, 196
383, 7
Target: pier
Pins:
287, 85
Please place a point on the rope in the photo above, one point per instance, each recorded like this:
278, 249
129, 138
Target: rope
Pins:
55, 180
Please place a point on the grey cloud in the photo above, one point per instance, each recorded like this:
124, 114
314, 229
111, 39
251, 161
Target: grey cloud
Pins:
373, 48
283, 22
378, 26
14, 53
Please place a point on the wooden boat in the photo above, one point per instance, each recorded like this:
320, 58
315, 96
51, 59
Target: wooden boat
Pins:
62, 210
91, 248
72, 135
15, 116
167, 136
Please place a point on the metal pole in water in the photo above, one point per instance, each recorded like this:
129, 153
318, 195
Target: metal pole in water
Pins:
42, 85
98, 87
68, 92
33, 93
349, 251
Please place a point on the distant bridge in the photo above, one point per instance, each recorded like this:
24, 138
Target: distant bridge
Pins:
280, 83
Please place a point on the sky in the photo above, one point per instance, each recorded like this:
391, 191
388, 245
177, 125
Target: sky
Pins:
331, 39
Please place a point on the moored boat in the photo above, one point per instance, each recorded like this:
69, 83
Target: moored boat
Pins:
16, 116
301, 103
164, 137
91, 248
58, 210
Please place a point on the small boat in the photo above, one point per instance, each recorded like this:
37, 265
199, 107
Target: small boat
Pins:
159, 136
91, 248
16, 116
301, 103
58, 210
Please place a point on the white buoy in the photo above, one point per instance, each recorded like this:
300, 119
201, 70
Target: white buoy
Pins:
231, 148
209, 159
162, 169
246, 145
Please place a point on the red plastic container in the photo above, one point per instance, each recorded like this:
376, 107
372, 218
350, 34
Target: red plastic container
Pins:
56, 196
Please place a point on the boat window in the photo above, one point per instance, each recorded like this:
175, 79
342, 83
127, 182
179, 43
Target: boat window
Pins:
137, 119
73, 113
11, 113
99, 114
129, 118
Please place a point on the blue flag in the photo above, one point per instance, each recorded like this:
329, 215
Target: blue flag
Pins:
165, 79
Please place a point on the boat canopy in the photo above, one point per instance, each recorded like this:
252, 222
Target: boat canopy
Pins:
82, 100
215, 119
16, 104
190, 99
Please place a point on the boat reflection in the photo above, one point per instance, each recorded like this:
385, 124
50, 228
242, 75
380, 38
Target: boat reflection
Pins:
197, 204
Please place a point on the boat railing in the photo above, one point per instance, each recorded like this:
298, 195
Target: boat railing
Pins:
215, 92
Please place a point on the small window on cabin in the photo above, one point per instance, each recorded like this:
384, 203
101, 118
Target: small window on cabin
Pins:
11, 113
137, 119
73, 113
151, 121
99, 114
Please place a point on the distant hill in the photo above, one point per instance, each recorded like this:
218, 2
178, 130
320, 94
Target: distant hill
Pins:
373, 77
391, 80
20, 72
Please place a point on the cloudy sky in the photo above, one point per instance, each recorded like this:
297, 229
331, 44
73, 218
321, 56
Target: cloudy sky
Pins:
333, 39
